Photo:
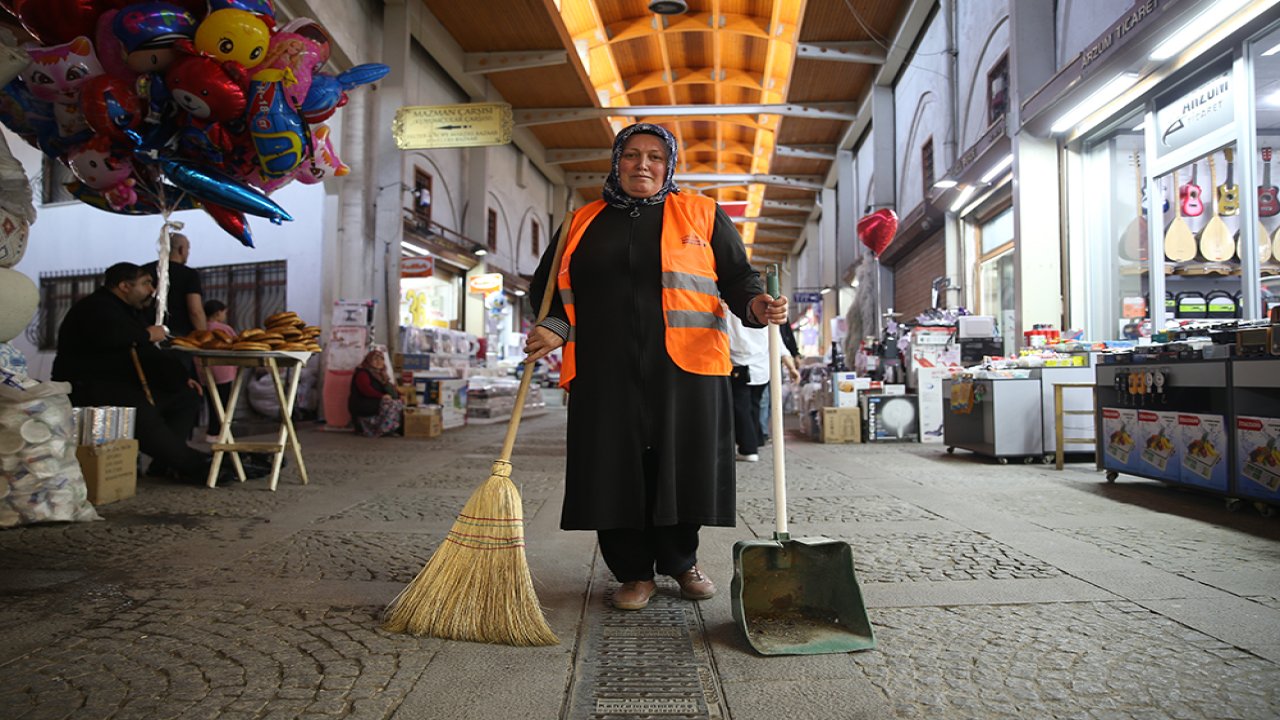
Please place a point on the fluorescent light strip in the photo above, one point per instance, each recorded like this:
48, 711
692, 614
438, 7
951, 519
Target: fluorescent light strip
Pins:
415, 248
1195, 29
998, 168
944, 184
963, 198
1274, 49
1089, 105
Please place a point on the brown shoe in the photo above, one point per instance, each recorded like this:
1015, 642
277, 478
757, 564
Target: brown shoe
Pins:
634, 595
695, 585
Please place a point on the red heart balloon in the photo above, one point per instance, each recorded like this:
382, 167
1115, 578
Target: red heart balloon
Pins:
876, 230
54, 22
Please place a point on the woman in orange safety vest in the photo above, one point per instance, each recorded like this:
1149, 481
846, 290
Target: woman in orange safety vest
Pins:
646, 363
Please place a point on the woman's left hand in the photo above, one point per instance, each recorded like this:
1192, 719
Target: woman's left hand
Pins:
768, 309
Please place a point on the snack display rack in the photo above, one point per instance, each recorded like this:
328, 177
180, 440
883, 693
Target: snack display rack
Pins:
1208, 424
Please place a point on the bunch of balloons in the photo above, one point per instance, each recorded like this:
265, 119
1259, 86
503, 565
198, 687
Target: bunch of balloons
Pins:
163, 106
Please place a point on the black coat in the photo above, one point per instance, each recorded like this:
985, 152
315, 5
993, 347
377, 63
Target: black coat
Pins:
94, 344
644, 436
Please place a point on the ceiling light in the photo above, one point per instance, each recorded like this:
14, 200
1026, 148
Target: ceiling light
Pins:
998, 168
1274, 49
853, 283
824, 291
944, 184
1195, 29
518, 293
1089, 105
415, 248
963, 198
668, 7
480, 251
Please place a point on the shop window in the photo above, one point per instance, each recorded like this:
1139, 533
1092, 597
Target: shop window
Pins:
422, 195
998, 90
252, 291
926, 165
535, 236
492, 232
994, 279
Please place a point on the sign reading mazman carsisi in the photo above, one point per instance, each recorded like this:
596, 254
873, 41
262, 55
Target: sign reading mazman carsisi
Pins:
442, 126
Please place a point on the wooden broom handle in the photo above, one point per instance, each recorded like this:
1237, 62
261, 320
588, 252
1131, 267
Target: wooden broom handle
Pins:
142, 376
514, 425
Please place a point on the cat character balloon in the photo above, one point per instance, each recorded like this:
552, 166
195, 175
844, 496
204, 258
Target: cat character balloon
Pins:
56, 74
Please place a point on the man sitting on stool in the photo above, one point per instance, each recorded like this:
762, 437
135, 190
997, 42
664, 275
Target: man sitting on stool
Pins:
108, 354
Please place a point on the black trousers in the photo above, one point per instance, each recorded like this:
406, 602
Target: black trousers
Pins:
635, 553
162, 429
747, 432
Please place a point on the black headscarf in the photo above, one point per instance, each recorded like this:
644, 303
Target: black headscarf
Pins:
613, 192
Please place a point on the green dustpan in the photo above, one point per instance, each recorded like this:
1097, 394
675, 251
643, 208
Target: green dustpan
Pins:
795, 596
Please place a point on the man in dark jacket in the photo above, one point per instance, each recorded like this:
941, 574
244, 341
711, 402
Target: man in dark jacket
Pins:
98, 342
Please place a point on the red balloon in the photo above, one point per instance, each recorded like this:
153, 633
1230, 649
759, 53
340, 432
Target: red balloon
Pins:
54, 22
111, 106
233, 221
876, 230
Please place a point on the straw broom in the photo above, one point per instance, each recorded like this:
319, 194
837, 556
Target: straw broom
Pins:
477, 585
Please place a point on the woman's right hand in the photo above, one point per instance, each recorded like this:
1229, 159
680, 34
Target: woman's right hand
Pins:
540, 342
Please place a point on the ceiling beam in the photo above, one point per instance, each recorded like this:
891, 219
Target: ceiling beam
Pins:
646, 26
762, 240
774, 221
813, 111
480, 63
802, 182
806, 152
855, 51
796, 205
574, 155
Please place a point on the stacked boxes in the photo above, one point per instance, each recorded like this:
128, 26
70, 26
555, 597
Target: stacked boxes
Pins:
110, 470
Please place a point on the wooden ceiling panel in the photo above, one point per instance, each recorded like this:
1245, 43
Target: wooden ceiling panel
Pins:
798, 166
803, 131
639, 56
815, 81
830, 20
497, 25
553, 86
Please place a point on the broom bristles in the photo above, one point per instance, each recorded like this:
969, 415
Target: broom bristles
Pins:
477, 585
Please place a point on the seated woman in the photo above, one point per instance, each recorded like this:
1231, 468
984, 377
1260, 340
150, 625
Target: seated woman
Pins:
375, 404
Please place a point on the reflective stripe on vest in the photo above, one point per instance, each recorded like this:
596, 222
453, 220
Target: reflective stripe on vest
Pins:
697, 336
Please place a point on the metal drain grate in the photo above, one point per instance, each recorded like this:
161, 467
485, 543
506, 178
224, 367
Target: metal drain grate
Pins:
650, 663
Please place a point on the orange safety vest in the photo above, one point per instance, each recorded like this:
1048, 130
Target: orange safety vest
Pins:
697, 335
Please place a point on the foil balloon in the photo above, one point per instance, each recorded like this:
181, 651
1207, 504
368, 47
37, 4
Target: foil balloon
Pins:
232, 221
147, 32
324, 162
207, 89
212, 186
111, 106
876, 230
257, 7
329, 92
56, 74
148, 203
234, 35
57, 21
279, 135
294, 58
100, 169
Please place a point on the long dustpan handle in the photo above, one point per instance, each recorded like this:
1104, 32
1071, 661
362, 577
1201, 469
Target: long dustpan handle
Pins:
775, 415
514, 425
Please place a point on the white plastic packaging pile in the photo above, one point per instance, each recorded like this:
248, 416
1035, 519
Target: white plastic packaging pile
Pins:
40, 479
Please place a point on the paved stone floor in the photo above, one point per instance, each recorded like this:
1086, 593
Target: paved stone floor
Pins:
995, 592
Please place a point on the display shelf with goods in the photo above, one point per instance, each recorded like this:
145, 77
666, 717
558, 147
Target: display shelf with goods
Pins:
1255, 396
1167, 420
491, 399
996, 417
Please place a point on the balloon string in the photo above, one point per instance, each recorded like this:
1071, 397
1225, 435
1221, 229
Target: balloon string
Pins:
162, 266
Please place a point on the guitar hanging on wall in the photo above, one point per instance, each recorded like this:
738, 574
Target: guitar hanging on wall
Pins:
1229, 191
1133, 241
1215, 238
1179, 243
1268, 194
1192, 206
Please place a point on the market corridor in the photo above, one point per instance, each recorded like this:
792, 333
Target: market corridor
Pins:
996, 592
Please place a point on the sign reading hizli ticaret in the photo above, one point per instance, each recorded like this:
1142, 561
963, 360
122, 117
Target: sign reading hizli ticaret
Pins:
443, 126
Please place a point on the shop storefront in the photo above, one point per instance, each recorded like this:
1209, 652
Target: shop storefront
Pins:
1173, 212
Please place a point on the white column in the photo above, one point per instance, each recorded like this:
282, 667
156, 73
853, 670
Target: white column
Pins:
388, 163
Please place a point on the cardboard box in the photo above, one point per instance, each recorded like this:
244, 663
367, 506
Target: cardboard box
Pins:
1203, 449
1256, 455
1119, 428
110, 470
422, 422
892, 418
841, 425
845, 387
409, 394
411, 361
